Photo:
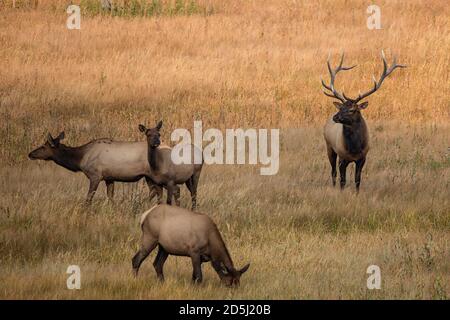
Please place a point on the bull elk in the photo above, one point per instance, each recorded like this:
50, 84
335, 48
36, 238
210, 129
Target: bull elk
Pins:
101, 160
164, 172
346, 133
182, 232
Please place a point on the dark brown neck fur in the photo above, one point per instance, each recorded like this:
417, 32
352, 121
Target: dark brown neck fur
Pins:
219, 251
69, 157
355, 137
152, 155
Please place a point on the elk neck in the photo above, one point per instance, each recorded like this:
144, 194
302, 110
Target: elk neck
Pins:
355, 137
152, 158
219, 251
69, 157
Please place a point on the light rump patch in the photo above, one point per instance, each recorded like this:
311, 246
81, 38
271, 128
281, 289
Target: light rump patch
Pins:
145, 214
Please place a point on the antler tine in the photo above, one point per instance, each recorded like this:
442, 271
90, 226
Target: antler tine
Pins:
385, 64
335, 94
342, 61
386, 72
347, 98
324, 84
328, 94
330, 70
348, 68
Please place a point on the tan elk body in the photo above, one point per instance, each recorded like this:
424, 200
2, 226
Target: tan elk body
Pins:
181, 232
163, 171
346, 133
101, 160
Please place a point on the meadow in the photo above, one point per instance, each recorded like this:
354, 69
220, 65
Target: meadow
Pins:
248, 64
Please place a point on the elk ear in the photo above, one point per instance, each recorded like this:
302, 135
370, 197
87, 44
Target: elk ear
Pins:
244, 269
159, 125
50, 140
142, 128
337, 104
61, 136
363, 105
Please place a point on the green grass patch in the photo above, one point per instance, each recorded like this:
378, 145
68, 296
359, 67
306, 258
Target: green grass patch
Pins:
145, 8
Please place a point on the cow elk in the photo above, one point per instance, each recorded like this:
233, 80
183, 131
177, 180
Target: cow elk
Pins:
346, 133
101, 160
181, 232
164, 172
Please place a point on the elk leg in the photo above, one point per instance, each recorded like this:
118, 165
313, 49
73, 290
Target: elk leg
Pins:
197, 266
152, 193
159, 193
158, 264
110, 189
359, 165
151, 189
189, 186
93, 185
332, 156
170, 192
194, 180
154, 190
148, 245
342, 171
177, 195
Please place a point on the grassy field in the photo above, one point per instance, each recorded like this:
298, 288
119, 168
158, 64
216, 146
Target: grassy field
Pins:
239, 64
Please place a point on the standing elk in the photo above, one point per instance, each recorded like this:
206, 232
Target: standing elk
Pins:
181, 232
346, 133
166, 173
101, 160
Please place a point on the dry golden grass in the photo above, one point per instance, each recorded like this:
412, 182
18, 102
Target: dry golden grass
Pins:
246, 64
303, 238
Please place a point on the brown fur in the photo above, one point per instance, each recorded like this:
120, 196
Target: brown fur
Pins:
347, 136
101, 160
346, 133
181, 232
164, 172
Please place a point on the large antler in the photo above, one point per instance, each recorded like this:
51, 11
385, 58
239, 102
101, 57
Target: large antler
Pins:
376, 85
335, 94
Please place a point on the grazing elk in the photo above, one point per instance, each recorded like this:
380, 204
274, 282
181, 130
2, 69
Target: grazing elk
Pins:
101, 160
346, 133
182, 232
166, 173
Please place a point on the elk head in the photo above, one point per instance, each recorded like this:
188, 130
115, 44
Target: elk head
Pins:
152, 134
48, 149
349, 109
231, 277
